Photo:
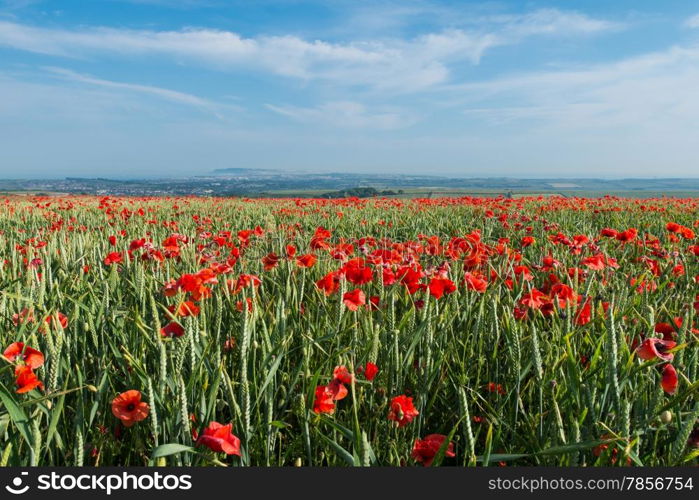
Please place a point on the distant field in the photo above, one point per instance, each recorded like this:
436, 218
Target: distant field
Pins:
436, 192
423, 192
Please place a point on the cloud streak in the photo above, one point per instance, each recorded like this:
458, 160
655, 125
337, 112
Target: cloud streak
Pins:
162, 93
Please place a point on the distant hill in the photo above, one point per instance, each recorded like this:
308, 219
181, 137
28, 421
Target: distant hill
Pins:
243, 171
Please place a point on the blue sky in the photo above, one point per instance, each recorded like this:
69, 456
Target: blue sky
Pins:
134, 88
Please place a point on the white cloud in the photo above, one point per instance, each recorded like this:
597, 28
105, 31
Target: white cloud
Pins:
170, 95
556, 22
347, 114
692, 22
394, 64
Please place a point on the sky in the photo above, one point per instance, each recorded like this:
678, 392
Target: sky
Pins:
153, 88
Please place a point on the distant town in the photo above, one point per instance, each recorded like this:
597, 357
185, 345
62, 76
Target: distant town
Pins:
276, 183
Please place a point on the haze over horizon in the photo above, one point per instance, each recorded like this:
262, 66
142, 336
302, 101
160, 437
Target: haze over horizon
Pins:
172, 88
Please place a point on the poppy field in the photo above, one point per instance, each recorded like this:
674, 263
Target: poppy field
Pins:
349, 332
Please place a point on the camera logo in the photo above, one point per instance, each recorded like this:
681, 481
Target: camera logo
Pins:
16, 488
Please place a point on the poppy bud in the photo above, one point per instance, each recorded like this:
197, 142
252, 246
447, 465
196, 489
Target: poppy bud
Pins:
666, 417
297, 462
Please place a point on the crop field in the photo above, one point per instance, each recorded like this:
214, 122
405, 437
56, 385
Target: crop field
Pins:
376, 332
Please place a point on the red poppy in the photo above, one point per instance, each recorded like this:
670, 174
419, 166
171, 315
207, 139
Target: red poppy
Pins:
534, 299
218, 437
584, 313
528, 241
354, 299
58, 316
656, 348
187, 308
357, 272
307, 260
243, 281
627, 236
519, 313
330, 283
440, 286
475, 282
402, 410
129, 408
172, 329
26, 379
493, 387
239, 304
270, 261
669, 332
342, 374
424, 450
669, 379
26, 315
370, 371
337, 389
113, 258
31, 357
324, 401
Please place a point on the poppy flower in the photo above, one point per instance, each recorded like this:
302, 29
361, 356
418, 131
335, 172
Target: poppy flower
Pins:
370, 371
307, 260
337, 389
218, 437
534, 299
357, 272
342, 374
656, 348
31, 357
424, 450
113, 258
239, 305
402, 410
26, 315
58, 316
26, 379
493, 387
519, 313
324, 401
270, 261
475, 282
673, 227
243, 281
528, 241
669, 332
669, 379
172, 329
584, 314
330, 283
440, 286
187, 308
129, 408
627, 236
354, 299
